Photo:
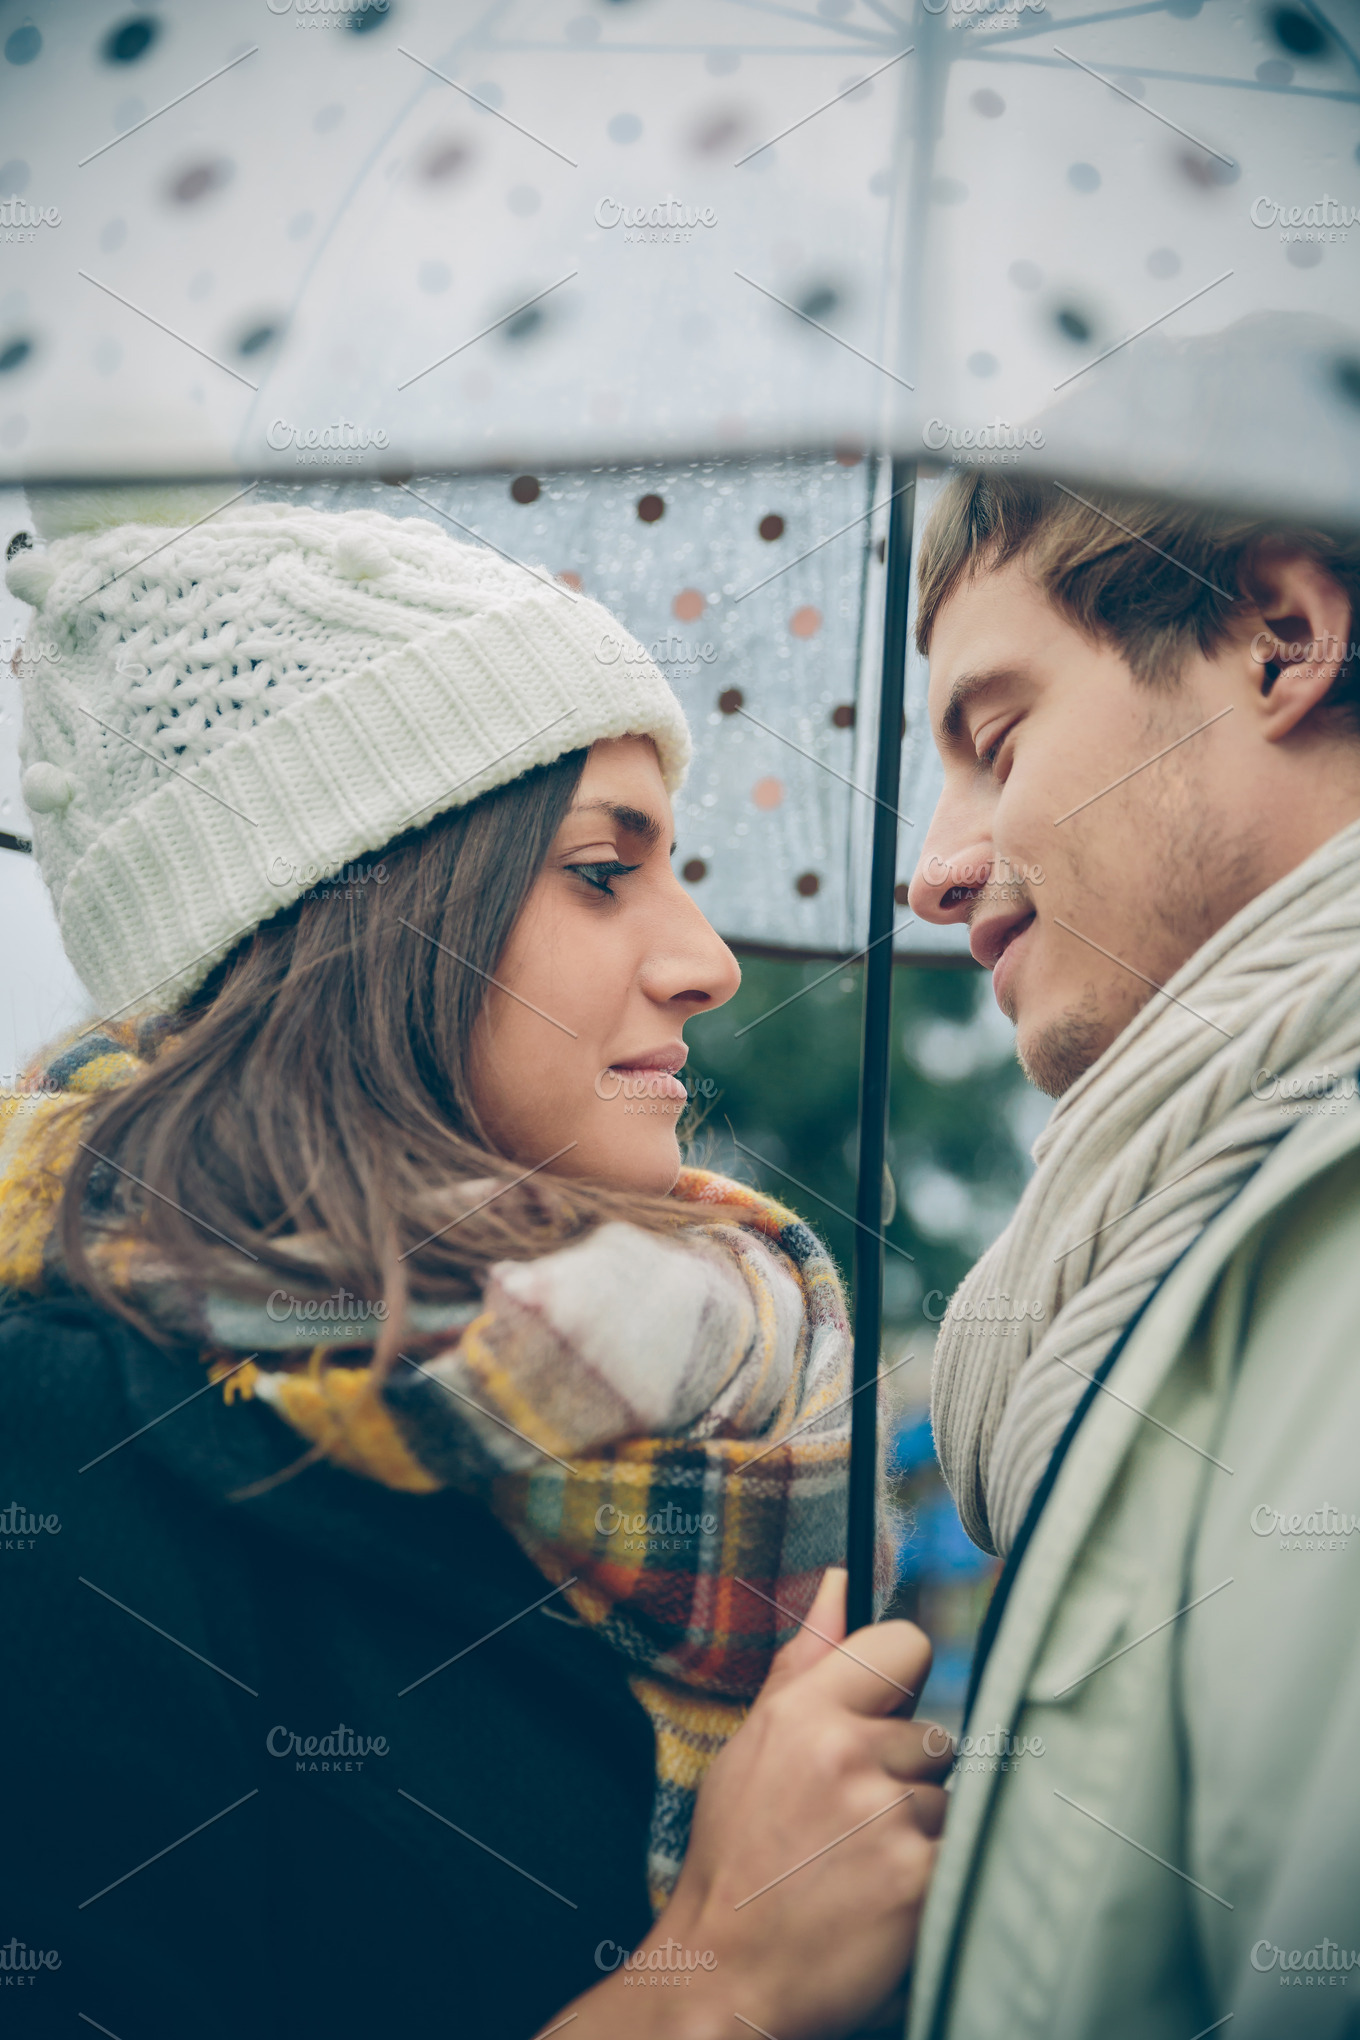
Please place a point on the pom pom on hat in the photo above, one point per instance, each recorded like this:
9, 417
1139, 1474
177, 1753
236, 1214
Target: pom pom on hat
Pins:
47, 789
30, 575
361, 557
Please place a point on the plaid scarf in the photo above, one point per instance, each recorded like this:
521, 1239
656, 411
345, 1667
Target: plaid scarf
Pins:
662, 1423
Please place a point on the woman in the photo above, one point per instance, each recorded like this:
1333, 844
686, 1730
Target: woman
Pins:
412, 1630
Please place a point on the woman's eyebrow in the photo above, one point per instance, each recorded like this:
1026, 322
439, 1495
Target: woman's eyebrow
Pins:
635, 821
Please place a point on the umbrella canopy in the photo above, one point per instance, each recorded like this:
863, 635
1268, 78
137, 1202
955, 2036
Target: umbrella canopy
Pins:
621, 267
600, 285
567, 233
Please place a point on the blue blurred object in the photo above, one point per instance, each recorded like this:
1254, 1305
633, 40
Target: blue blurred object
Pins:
912, 1445
935, 1543
931, 1541
943, 1581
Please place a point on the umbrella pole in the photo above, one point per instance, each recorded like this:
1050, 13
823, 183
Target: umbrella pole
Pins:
873, 1092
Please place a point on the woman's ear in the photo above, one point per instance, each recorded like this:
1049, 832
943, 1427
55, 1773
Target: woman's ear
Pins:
1301, 637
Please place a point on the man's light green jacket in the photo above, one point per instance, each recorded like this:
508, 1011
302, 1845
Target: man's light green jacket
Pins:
1180, 1850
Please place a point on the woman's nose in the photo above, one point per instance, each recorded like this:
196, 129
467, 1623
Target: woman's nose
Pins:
944, 884
692, 963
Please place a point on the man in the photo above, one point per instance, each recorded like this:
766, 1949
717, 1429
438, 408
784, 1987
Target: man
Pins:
1149, 718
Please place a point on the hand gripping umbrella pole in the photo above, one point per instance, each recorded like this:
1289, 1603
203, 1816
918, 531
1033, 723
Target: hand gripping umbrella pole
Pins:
873, 1091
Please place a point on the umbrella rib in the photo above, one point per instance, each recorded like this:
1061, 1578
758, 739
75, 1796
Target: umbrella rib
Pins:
1026, 32
1167, 77
833, 101
1102, 80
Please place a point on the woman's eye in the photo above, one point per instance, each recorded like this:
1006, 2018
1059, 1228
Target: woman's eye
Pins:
599, 875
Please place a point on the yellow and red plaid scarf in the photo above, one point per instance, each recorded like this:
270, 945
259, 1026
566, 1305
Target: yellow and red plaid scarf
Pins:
661, 1423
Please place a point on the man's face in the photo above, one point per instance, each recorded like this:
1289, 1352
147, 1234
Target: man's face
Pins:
1087, 873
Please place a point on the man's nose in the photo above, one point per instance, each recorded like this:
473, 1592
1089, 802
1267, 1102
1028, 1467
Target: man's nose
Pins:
945, 883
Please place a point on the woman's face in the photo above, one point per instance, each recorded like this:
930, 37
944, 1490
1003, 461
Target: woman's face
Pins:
580, 1040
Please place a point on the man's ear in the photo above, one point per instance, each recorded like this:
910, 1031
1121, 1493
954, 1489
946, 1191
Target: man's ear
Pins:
1300, 637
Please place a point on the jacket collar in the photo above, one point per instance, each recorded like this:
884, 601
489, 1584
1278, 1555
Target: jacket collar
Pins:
1112, 1426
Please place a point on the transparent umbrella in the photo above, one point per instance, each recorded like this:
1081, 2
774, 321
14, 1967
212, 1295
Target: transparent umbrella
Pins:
691, 303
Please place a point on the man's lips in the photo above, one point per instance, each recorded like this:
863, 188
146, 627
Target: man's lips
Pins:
989, 939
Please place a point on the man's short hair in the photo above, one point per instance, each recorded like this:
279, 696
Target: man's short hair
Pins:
1154, 578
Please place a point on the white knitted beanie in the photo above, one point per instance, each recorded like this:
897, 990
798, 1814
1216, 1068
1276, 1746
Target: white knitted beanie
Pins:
216, 717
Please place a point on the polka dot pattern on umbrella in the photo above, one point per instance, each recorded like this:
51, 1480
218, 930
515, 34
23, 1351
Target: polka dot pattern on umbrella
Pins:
445, 159
130, 40
200, 180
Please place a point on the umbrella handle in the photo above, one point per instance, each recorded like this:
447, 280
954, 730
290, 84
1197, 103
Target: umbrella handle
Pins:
874, 1066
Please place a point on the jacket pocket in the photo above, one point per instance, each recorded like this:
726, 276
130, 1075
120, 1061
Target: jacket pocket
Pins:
1092, 1625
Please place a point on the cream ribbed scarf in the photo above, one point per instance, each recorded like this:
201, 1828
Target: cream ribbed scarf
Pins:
1139, 1155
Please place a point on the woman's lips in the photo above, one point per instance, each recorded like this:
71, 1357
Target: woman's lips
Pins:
649, 1082
645, 1080
653, 1075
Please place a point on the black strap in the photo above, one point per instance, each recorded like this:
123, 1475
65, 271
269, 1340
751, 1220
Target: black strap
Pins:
996, 1607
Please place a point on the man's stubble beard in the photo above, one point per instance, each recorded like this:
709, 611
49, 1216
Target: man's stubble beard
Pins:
1065, 1049
1215, 872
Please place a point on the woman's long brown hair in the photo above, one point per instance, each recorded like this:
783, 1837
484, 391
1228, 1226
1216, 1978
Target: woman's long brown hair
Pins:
312, 1107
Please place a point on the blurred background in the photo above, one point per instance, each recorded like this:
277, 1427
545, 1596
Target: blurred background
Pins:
774, 1080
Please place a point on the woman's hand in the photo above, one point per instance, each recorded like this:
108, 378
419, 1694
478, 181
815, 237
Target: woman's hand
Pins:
813, 1842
